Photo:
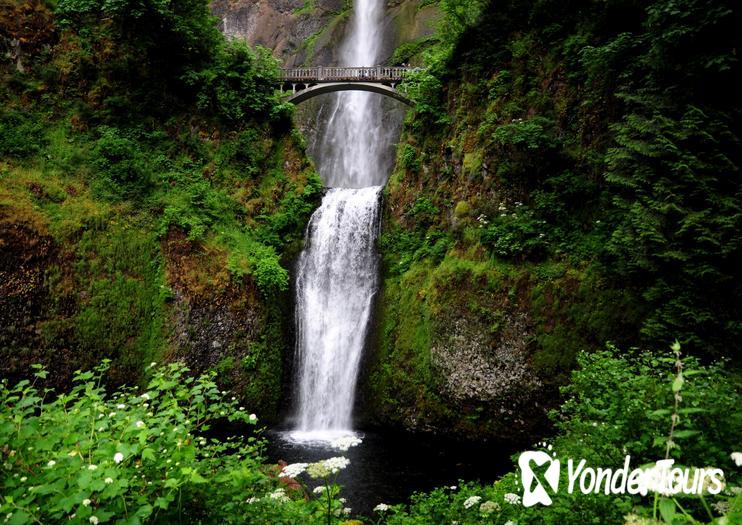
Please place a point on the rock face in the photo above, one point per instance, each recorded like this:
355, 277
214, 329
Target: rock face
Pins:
301, 32
26, 249
296, 34
476, 370
455, 354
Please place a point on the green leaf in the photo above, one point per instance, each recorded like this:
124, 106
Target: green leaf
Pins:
677, 384
144, 511
18, 518
667, 509
680, 434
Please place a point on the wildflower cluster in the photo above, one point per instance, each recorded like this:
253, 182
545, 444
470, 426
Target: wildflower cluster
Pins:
132, 456
326, 471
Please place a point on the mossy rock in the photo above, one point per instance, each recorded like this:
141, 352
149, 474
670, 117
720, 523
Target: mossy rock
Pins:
462, 210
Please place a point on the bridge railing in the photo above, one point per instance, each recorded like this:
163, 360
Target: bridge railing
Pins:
344, 74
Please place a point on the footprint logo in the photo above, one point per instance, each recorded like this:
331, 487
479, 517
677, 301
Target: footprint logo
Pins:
538, 470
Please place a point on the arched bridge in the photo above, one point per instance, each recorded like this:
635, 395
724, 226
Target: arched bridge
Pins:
302, 83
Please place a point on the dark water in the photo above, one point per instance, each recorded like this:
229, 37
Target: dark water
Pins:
390, 467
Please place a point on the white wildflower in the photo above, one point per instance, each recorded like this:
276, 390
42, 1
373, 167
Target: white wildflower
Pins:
118, 457
252, 500
737, 458
153, 363
93, 519
279, 495
722, 507
347, 511
121, 406
51, 463
471, 501
322, 469
511, 498
92, 467
381, 507
346, 442
145, 396
511, 522
253, 417
139, 424
86, 502
318, 490
336, 464
108, 481
488, 507
23, 479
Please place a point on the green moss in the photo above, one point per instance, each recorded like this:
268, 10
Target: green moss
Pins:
462, 209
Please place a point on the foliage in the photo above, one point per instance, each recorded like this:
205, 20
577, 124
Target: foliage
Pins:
21, 134
408, 158
136, 456
149, 169
122, 168
677, 186
531, 135
616, 406
616, 127
239, 85
251, 257
520, 233
119, 273
148, 46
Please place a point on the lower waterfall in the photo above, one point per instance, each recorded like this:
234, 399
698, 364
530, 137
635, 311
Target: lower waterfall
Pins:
337, 276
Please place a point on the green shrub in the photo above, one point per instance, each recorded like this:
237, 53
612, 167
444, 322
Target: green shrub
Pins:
122, 167
240, 84
618, 405
408, 158
250, 257
531, 135
21, 134
517, 234
424, 212
134, 456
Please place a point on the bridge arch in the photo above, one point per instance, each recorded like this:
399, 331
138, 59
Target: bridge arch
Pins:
332, 87
308, 82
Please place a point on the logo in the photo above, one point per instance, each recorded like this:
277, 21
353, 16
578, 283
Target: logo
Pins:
545, 471
540, 472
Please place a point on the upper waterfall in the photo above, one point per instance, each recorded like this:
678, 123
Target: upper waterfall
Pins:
353, 148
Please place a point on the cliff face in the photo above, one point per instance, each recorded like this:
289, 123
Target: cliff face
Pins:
542, 203
139, 232
82, 280
306, 32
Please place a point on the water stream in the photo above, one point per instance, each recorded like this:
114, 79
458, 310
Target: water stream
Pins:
336, 282
337, 271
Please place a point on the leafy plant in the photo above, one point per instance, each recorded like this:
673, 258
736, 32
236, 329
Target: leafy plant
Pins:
135, 455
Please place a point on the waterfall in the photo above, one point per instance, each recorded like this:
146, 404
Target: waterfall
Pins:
337, 271
354, 146
337, 279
